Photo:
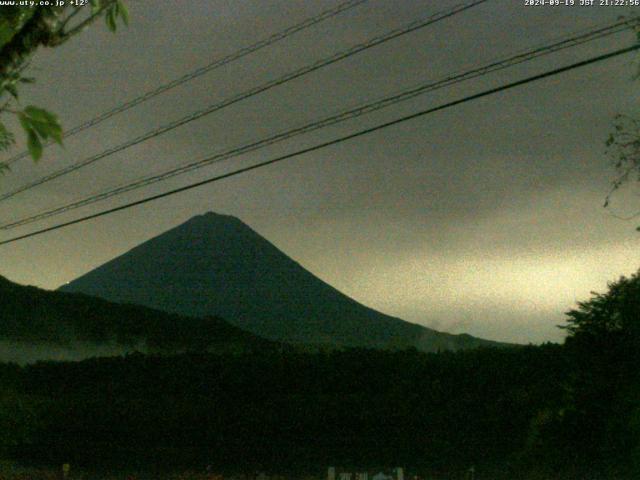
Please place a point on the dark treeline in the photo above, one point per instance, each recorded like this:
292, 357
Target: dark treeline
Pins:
288, 410
553, 411
496, 409
33, 315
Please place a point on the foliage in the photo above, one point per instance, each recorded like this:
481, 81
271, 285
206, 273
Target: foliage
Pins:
595, 431
21, 416
294, 411
623, 143
39, 125
553, 411
22, 31
36, 316
623, 148
615, 313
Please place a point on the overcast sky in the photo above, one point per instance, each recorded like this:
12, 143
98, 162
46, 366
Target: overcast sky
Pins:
486, 218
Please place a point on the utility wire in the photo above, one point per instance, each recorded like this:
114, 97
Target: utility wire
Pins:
521, 57
413, 26
243, 52
335, 141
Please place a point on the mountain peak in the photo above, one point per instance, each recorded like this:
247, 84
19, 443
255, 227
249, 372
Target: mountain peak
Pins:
216, 265
210, 216
213, 222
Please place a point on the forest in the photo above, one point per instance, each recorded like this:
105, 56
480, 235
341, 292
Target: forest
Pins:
549, 411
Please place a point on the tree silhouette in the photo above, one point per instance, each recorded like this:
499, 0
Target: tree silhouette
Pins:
24, 29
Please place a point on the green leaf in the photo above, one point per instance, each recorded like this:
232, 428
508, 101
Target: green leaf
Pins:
40, 114
39, 125
123, 12
110, 18
34, 145
24, 121
42, 129
56, 134
45, 123
6, 138
11, 88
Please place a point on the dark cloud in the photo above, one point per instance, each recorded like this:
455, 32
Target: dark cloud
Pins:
500, 192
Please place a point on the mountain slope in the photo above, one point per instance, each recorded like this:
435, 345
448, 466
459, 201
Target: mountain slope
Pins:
30, 316
216, 265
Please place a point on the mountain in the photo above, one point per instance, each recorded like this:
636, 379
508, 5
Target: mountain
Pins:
37, 324
216, 265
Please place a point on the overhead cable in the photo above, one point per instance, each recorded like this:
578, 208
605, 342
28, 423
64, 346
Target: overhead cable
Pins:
413, 26
500, 64
217, 63
335, 141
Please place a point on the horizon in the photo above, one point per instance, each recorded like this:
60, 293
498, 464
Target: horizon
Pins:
218, 215
485, 219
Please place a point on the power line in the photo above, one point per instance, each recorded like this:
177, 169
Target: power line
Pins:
411, 27
319, 146
243, 52
521, 57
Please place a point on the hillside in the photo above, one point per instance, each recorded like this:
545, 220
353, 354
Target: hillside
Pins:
217, 265
41, 321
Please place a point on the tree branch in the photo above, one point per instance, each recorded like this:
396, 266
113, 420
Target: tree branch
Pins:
64, 23
64, 36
